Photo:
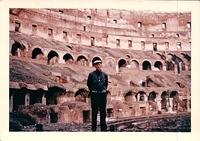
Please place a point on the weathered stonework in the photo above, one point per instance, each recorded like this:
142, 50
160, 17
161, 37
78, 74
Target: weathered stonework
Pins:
146, 55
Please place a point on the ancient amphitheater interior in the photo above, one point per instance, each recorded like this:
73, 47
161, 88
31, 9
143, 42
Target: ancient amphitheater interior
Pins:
146, 54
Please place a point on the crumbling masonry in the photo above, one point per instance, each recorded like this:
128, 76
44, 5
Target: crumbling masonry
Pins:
147, 56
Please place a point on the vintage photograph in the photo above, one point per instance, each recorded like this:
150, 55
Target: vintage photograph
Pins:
93, 69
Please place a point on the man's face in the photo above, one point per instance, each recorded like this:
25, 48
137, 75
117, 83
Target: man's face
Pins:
98, 66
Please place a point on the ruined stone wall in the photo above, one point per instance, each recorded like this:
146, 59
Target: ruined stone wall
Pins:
80, 29
124, 41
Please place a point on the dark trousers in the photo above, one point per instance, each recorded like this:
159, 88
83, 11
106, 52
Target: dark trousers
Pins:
98, 102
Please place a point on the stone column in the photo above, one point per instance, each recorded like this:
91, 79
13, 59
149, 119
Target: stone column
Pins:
140, 67
170, 105
175, 69
11, 103
186, 67
117, 68
145, 98
61, 60
27, 99
188, 102
180, 66
90, 64
164, 68
138, 97
44, 100
158, 101
18, 52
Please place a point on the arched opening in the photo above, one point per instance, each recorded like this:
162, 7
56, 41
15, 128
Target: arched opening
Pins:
81, 95
152, 101
170, 66
37, 53
122, 63
110, 112
152, 96
160, 56
17, 49
186, 56
52, 95
68, 58
86, 116
140, 96
18, 100
129, 97
174, 100
52, 57
82, 60
164, 100
146, 65
110, 62
36, 96
158, 65
182, 64
134, 64
53, 117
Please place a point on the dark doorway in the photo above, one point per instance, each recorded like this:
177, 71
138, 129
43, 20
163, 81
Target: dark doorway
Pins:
51, 55
53, 117
36, 52
18, 99
110, 112
164, 100
82, 60
152, 96
146, 65
68, 57
122, 63
158, 65
86, 116
169, 66
15, 47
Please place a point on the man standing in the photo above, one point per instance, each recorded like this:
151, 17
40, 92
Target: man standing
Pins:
97, 83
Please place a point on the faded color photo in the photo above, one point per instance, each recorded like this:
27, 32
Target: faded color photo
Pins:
145, 54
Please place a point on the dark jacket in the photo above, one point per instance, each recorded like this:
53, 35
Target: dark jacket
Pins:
97, 81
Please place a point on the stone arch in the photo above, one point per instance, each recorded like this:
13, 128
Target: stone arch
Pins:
159, 65
52, 57
152, 96
141, 96
53, 94
170, 66
68, 58
18, 49
173, 94
160, 56
183, 68
129, 97
174, 100
81, 94
152, 101
187, 61
134, 64
110, 62
37, 53
18, 98
170, 56
146, 65
164, 100
122, 63
36, 96
186, 56
82, 60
